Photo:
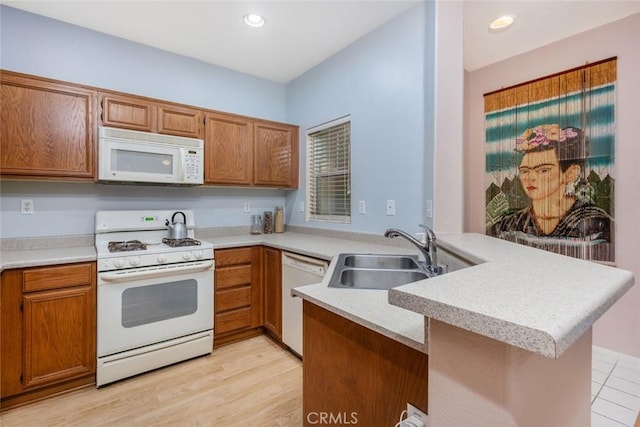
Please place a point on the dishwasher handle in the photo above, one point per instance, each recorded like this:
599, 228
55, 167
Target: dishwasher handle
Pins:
300, 262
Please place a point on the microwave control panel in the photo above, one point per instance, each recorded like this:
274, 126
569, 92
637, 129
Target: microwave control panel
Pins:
193, 166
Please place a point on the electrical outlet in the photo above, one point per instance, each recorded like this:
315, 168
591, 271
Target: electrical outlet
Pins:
362, 207
429, 209
417, 413
26, 207
301, 207
391, 207
247, 206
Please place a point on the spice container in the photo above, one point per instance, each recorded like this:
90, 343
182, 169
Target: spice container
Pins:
268, 222
256, 224
279, 220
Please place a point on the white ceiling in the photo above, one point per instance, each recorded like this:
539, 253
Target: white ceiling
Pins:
300, 34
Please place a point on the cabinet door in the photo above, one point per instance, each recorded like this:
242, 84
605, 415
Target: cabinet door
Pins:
276, 155
11, 334
273, 292
59, 337
47, 129
228, 150
128, 112
180, 121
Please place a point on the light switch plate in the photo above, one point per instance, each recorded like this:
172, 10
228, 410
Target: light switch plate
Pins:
391, 207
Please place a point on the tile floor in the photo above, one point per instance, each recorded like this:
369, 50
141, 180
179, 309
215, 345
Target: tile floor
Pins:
615, 389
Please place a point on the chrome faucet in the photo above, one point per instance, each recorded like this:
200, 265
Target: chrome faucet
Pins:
428, 249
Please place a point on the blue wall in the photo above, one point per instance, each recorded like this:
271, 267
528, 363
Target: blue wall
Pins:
41, 46
380, 81
34, 44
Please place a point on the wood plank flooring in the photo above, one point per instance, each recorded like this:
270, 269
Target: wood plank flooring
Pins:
252, 383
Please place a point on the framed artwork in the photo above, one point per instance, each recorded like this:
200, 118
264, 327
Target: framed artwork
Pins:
549, 151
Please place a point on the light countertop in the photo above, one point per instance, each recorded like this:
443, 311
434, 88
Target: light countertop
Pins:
368, 308
529, 298
48, 256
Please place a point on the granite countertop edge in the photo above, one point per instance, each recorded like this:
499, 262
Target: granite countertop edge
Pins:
529, 298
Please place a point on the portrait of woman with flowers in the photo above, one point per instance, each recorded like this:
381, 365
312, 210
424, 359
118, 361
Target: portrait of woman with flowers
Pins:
560, 212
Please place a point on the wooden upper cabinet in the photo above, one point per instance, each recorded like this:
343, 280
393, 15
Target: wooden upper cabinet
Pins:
137, 113
228, 149
276, 155
127, 112
47, 128
242, 151
180, 121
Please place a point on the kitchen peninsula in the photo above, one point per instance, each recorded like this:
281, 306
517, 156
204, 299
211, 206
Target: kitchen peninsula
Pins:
509, 339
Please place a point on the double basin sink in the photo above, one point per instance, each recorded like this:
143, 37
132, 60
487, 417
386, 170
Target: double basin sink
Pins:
371, 271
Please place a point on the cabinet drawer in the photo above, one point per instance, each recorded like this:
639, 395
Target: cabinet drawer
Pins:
64, 276
232, 320
233, 298
233, 276
233, 256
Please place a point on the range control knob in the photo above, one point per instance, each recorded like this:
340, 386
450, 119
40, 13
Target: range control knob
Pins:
162, 258
187, 255
119, 263
198, 254
135, 261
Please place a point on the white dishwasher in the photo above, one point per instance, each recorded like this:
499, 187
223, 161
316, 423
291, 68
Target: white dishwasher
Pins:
297, 270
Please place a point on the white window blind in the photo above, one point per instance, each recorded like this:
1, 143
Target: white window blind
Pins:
329, 171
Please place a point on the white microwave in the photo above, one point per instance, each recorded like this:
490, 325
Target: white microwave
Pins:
139, 157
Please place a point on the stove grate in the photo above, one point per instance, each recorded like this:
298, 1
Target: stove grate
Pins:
174, 243
127, 246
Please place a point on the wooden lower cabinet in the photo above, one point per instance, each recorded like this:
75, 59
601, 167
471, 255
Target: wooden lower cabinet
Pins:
48, 331
273, 292
353, 373
238, 294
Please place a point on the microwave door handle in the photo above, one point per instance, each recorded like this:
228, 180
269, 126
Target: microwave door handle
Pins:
147, 273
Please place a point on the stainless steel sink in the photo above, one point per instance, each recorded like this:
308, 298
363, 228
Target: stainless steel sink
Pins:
372, 271
370, 278
396, 262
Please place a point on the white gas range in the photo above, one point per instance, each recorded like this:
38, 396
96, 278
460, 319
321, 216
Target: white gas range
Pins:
155, 294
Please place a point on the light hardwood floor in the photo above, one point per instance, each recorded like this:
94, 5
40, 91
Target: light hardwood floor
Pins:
252, 383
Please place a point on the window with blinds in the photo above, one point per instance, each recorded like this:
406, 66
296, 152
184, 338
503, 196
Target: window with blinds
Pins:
329, 171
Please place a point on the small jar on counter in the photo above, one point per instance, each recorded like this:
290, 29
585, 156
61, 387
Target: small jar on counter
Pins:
268, 222
279, 220
256, 224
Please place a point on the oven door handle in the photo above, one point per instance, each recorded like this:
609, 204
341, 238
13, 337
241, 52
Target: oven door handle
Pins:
160, 271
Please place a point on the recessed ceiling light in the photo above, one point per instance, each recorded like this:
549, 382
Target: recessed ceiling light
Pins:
254, 20
501, 23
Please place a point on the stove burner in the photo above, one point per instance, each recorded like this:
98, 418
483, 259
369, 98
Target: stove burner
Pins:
174, 243
130, 245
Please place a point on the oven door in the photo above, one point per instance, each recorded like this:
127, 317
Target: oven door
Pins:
138, 307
